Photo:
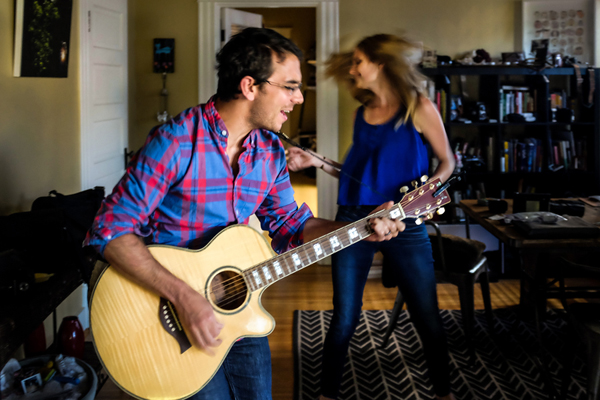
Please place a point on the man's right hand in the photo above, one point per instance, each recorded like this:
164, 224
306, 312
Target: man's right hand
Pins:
199, 320
130, 255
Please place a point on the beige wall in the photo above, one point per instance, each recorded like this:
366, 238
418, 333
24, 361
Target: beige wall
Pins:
150, 19
39, 125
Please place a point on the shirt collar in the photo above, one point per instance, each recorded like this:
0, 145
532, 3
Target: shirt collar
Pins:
217, 125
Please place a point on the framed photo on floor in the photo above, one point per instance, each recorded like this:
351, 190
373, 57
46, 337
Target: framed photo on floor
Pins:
568, 26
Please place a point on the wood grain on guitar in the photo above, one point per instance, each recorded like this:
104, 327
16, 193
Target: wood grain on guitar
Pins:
137, 336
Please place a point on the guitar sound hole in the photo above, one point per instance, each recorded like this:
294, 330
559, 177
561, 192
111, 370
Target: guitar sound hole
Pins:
228, 290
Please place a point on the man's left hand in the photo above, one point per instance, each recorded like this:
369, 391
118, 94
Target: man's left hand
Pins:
384, 228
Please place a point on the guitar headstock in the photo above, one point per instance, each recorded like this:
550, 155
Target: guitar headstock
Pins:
424, 200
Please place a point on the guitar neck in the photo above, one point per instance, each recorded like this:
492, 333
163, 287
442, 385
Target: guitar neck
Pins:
294, 260
421, 201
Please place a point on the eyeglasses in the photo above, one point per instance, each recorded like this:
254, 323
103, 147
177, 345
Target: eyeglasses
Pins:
290, 89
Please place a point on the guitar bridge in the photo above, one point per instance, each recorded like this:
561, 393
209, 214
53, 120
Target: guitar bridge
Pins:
171, 323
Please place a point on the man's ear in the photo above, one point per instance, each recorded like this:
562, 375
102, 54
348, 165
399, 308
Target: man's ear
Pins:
248, 87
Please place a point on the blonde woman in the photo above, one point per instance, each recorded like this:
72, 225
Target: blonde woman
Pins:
388, 152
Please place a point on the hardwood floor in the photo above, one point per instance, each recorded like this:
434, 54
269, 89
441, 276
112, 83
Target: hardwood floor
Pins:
310, 289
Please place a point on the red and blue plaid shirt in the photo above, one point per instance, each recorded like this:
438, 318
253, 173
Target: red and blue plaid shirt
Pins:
179, 189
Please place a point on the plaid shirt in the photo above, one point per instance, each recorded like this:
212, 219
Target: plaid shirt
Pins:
179, 189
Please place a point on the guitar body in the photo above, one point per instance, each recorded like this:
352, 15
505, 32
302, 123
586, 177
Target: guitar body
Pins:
136, 350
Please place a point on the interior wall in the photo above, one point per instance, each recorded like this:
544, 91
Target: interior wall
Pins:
39, 125
155, 19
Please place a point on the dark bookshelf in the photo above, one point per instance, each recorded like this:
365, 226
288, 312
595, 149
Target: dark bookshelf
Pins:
580, 171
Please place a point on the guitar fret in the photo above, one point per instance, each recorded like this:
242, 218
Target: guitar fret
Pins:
250, 281
310, 256
296, 260
353, 234
267, 273
278, 269
257, 278
334, 241
286, 259
318, 250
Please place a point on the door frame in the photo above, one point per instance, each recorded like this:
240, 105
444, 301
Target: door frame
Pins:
327, 24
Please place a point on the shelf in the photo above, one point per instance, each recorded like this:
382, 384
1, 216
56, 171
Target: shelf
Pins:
498, 70
529, 143
559, 124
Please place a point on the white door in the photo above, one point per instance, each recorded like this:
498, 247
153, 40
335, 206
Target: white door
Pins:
234, 21
104, 135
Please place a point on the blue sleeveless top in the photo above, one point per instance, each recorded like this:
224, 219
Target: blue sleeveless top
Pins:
385, 157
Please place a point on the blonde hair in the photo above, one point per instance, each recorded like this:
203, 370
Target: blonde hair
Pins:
394, 53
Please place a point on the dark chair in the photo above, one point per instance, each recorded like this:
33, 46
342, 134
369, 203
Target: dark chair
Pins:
458, 261
584, 320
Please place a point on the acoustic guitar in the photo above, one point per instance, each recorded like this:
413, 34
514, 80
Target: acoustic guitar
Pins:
138, 336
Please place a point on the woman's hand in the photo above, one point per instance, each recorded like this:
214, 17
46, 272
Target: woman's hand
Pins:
297, 159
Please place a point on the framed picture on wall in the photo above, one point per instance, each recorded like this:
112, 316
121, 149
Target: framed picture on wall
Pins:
567, 25
42, 38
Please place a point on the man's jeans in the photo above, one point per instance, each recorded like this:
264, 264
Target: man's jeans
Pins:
244, 375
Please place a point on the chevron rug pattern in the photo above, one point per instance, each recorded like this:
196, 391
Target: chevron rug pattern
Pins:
504, 367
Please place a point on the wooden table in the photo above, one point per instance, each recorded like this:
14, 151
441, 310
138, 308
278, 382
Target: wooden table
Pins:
537, 255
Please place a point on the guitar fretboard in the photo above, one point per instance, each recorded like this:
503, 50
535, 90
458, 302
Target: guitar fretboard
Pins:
294, 260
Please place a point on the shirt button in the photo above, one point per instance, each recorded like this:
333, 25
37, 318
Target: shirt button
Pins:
224, 133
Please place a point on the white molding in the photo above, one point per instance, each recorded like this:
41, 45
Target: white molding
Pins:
327, 25
84, 92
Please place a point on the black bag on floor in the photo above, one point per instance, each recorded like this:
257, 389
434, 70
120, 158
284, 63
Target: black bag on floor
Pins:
50, 236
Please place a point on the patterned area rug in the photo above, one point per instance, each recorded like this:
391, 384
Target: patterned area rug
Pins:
505, 366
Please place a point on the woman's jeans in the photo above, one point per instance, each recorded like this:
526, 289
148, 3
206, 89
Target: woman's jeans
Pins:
244, 375
410, 262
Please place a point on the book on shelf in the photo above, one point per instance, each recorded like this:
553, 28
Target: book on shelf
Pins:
568, 152
558, 99
490, 154
517, 100
521, 155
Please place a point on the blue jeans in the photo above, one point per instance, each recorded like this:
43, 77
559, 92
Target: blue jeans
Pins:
244, 375
410, 261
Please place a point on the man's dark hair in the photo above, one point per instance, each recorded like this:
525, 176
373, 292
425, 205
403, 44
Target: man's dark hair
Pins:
250, 53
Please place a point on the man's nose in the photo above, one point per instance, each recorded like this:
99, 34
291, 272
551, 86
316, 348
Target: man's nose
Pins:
298, 97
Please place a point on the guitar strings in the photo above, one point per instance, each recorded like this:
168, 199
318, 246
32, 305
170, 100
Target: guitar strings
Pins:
304, 258
239, 281
239, 284
305, 261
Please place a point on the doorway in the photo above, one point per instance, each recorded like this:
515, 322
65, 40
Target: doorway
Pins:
299, 25
326, 92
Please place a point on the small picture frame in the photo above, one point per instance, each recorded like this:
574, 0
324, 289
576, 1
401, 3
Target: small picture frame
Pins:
164, 56
32, 384
429, 59
531, 202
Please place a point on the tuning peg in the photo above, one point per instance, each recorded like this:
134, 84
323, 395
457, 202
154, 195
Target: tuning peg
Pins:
424, 178
441, 210
404, 190
430, 216
414, 184
418, 221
